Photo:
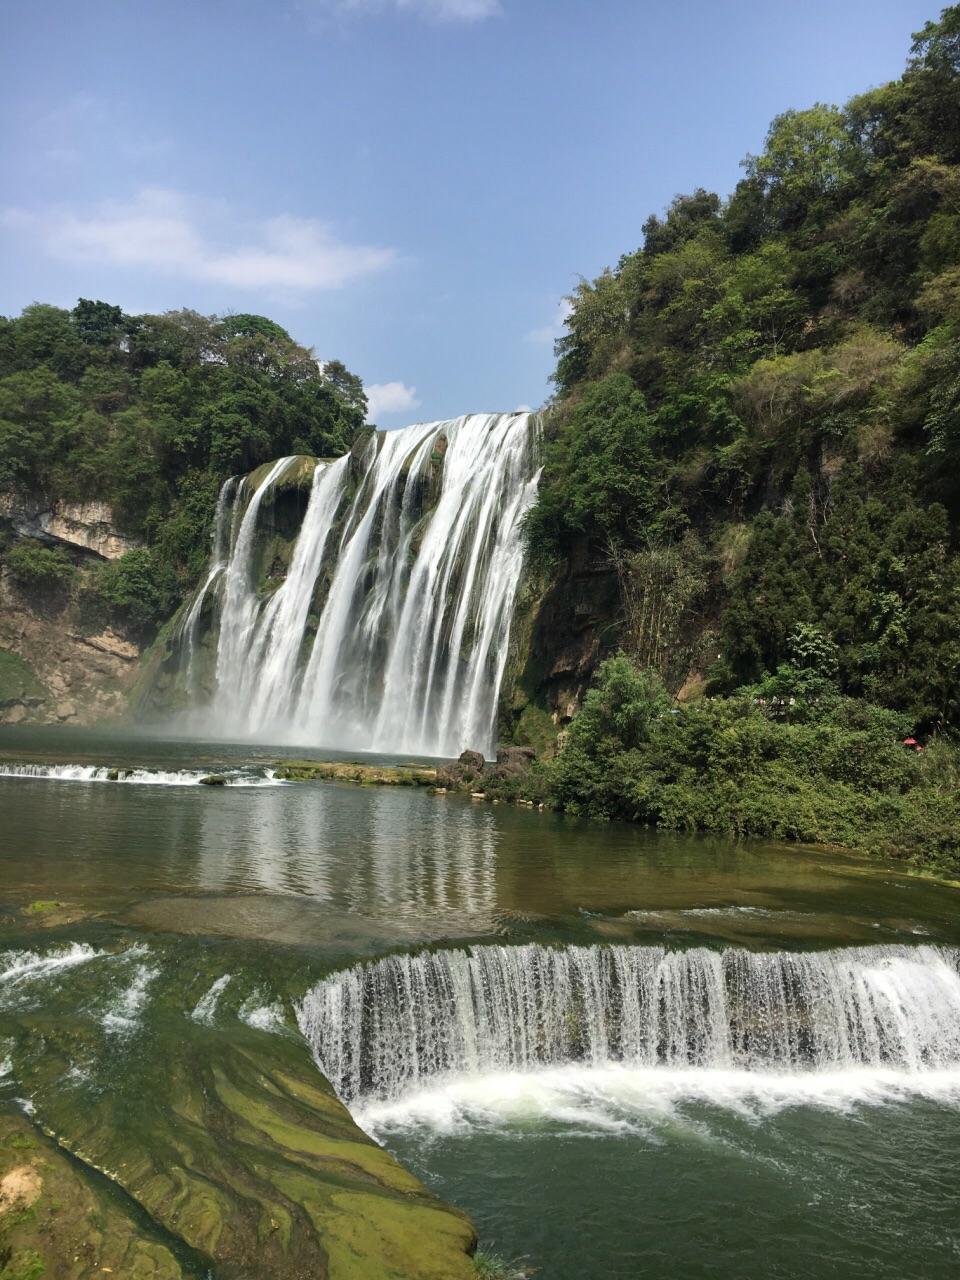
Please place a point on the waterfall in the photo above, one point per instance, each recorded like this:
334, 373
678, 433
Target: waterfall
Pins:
220, 550
389, 630
381, 1030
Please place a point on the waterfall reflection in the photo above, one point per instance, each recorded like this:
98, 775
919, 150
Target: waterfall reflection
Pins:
376, 854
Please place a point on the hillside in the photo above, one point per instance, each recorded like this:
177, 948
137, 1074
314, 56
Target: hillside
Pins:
758, 412
116, 434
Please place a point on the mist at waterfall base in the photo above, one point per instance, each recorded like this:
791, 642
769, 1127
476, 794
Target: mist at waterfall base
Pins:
390, 628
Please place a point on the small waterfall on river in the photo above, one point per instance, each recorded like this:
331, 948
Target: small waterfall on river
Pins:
381, 1030
388, 630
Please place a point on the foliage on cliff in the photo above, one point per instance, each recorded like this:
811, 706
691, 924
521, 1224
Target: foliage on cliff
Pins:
153, 413
792, 761
767, 395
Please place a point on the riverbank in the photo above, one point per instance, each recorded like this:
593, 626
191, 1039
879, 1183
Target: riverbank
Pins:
366, 775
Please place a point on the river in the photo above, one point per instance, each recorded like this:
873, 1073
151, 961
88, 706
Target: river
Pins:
805, 1125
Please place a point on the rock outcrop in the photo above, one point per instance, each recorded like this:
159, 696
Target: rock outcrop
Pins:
86, 526
50, 671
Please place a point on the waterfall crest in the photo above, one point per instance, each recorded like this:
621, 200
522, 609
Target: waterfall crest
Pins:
388, 630
381, 1030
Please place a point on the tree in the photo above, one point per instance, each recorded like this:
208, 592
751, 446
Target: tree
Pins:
347, 386
806, 166
97, 323
937, 46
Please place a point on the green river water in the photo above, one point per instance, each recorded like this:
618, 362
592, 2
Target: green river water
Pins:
194, 916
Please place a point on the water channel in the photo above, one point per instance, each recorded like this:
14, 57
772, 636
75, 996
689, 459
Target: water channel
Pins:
627, 1054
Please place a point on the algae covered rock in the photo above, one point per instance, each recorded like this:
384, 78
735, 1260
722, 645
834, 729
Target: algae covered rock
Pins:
238, 1152
57, 1224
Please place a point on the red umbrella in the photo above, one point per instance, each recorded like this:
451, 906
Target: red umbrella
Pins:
909, 742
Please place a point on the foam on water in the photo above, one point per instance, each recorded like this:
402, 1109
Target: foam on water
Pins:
207, 1004
623, 1099
122, 1015
18, 967
256, 1013
142, 777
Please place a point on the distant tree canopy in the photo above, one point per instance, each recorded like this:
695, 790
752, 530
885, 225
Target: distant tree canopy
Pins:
152, 413
776, 376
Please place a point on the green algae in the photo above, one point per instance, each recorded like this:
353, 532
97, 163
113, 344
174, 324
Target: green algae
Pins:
234, 1146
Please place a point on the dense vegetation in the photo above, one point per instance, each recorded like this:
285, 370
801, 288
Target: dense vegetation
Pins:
152, 414
836, 772
757, 424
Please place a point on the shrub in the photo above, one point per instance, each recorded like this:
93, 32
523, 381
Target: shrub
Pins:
33, 564
140, 587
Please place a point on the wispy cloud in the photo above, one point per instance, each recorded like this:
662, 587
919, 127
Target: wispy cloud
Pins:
389, 397
165, 231
439, 11
551, 332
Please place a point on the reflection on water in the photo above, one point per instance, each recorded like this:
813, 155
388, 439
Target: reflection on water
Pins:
310, 861
613, 1171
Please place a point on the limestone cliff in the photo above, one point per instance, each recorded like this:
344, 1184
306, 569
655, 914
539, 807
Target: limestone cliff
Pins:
54, 664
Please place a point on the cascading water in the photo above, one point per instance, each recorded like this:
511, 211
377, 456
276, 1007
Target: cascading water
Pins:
389, 630
221, 544
382, 1030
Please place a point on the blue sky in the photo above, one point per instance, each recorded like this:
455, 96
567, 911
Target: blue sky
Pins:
410, 186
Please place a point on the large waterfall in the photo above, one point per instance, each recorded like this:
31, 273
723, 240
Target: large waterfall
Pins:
384, 1029
387, 629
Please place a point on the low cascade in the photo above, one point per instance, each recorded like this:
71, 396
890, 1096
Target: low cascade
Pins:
389, 630
381, 1030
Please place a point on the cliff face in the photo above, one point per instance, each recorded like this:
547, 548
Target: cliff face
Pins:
49, 672
85, 526
564, 624
52, 667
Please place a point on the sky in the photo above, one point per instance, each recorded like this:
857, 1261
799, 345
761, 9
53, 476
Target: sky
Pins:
409, 186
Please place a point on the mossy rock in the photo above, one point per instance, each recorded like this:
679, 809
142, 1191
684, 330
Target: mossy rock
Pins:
241, 1154
351, 771
73, 1225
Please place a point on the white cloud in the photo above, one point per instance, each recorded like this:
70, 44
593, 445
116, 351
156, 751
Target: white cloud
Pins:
165, 231
523, 408
442, 11
551, 332
389, 397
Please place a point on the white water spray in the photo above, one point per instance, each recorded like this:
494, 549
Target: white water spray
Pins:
386, 1030
390, 629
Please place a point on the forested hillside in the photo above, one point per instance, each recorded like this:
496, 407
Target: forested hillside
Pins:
151, 414
758, 411
757, 428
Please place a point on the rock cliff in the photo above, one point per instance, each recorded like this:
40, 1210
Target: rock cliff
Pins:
54, 665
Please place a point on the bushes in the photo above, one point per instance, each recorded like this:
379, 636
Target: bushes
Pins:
140, 587
32, 564
732, 766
